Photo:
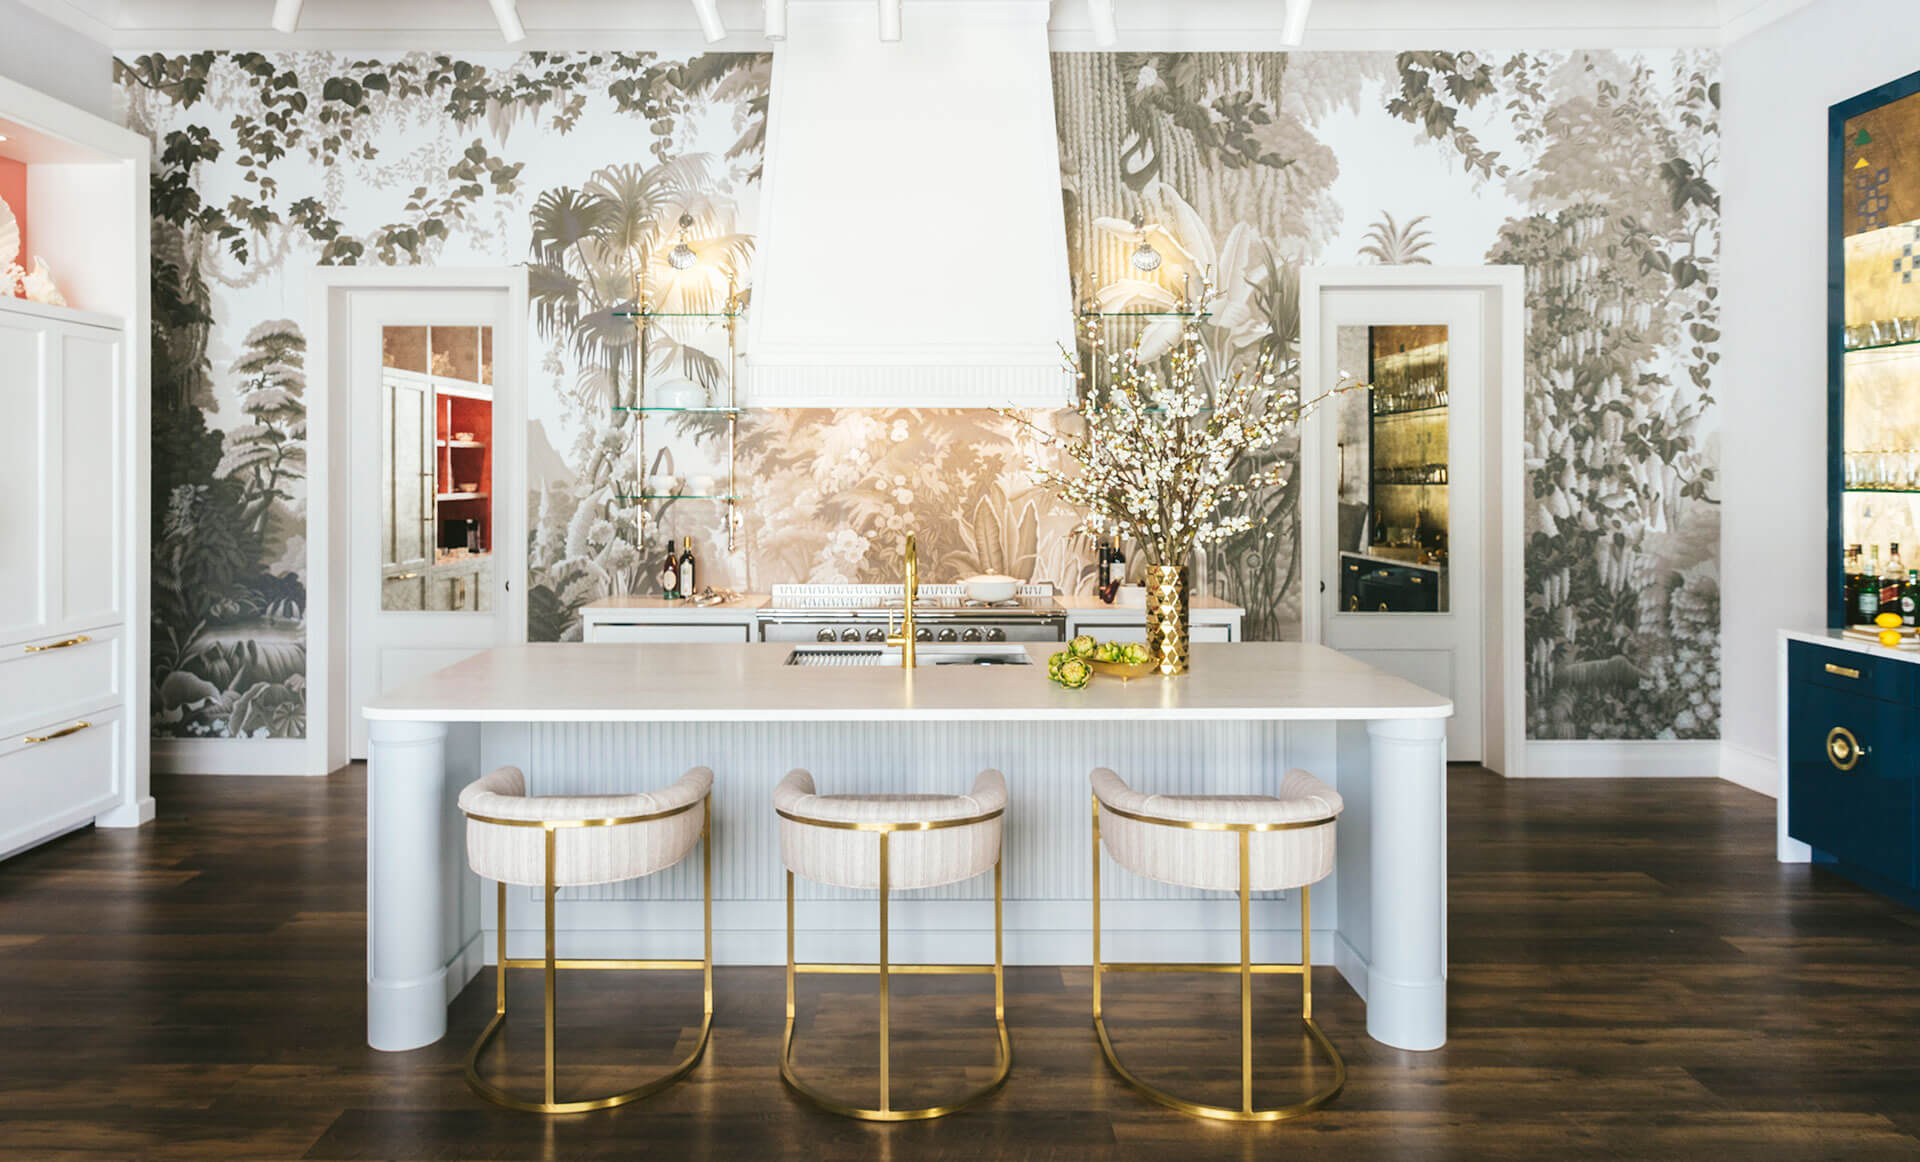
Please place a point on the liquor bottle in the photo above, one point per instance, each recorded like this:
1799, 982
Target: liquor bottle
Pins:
1910, 599
1870, 586
1106, 568
1857, 588
670, 575
1892, 579
687, 583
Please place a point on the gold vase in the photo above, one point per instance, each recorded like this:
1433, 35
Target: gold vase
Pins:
1167, 618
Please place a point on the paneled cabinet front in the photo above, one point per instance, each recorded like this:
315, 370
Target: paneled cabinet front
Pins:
1853, 779
64, 459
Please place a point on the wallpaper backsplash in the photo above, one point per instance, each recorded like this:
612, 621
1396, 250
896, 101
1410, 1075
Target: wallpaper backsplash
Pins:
1596, 170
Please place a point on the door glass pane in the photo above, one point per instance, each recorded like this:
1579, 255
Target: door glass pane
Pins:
436, 536
1393, 452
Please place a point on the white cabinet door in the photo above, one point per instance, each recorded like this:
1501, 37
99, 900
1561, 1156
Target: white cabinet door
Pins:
632, 632
91, 460
25, 523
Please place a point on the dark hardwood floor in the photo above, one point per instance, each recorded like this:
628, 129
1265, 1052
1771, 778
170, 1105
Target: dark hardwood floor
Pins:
1632, 977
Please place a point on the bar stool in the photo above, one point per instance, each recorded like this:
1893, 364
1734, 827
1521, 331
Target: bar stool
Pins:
1243, 843
516, 839
918, 841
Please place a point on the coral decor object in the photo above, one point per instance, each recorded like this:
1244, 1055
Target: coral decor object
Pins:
39, 286
10, 272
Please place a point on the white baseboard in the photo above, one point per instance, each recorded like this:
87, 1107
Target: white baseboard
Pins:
1750, 769
231, 756
1621, 759
135, 814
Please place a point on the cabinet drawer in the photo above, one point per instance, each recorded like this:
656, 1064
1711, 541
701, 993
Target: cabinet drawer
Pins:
1868, 737
47, 787
1887, 679
44, 677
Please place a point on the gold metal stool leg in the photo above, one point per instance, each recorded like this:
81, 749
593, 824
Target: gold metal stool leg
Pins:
1246, 970
550, 964
1003, 1054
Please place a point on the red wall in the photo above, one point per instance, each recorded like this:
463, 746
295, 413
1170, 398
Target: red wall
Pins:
13, 191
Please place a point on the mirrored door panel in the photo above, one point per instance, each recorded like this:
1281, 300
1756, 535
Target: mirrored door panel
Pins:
1392, 443
436, 535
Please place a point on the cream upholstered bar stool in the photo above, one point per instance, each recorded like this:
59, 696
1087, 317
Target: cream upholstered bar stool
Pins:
1232, 843
555, 841
890, 843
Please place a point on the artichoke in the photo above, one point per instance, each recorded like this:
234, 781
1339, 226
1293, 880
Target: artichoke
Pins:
1134, 653
1082, 646
1074, 673
1107, 652
1055, 662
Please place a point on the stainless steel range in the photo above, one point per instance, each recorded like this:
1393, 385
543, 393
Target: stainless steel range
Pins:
860, 613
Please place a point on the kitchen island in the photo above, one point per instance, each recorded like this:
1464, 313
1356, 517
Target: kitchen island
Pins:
613, 718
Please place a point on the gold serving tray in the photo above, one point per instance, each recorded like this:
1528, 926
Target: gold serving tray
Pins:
1125, 671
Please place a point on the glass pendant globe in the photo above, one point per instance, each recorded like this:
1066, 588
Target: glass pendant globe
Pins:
1145, 257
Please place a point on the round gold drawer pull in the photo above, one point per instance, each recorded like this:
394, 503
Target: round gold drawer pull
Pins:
1843, 750
60, 645
74, 729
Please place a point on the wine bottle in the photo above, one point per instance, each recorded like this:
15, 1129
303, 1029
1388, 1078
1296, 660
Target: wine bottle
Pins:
1106, 569
687, 584
1910, 599
670, 576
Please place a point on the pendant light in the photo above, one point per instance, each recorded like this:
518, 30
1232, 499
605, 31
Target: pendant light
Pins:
1145, 258
682, 257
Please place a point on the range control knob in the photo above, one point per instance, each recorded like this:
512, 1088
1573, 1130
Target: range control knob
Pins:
876, 635
996, 634
849, 635
825, 635
923, 635
970, 634
947, 635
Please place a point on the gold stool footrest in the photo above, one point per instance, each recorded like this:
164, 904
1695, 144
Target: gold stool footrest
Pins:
499, 1096
1308, 1104
1003, 1058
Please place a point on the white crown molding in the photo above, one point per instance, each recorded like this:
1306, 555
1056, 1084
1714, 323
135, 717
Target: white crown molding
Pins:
1164, 25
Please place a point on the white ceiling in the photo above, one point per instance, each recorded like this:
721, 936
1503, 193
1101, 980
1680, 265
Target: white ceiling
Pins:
1161, 24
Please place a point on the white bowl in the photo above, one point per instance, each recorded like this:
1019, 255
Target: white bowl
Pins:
1131, 597
679, 393
663, 485
990, 587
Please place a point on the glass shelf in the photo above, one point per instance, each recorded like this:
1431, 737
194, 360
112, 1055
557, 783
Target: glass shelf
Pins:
705, 411
1143, 314
676, 314
1382, 414
671, 496
1897, 344
1409, 483
1912, 491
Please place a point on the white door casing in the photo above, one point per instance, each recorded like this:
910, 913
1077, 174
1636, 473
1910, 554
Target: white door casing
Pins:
1476, 647
389, 647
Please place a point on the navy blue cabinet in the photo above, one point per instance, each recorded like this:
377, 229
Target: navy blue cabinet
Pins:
1853, 774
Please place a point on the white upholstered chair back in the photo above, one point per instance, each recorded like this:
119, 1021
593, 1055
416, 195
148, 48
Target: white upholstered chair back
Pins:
1277, 859
916, 859
583, 855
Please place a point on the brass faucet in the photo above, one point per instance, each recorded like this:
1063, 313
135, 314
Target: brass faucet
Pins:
905, 638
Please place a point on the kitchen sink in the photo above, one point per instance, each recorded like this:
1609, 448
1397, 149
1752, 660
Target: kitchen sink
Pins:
826, 654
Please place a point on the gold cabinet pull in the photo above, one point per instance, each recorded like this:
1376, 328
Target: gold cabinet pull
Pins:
1843, 750
81, 640
76, 728
1843, 671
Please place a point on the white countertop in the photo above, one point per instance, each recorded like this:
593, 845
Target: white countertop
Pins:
1840, 641
746, 603
750, 682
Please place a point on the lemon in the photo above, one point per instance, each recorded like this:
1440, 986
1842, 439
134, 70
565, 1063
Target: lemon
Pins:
1888, 621
1889, 637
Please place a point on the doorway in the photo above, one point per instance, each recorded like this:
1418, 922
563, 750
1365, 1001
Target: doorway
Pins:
423, 526
1409, 536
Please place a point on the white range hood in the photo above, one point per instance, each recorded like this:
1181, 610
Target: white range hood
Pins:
912, 249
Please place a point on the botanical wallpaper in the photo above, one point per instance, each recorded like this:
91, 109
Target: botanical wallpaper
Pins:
1596, 170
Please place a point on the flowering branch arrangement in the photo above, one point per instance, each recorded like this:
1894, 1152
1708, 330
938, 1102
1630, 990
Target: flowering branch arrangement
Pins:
1158, 459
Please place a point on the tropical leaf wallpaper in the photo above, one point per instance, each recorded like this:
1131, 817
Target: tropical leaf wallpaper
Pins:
1596, 170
